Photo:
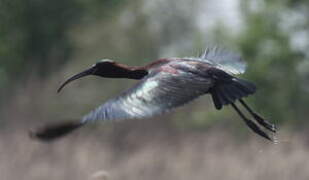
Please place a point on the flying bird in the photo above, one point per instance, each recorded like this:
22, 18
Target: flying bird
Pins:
165, 84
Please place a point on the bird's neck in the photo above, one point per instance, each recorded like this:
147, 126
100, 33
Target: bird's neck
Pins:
116, 70
136, 73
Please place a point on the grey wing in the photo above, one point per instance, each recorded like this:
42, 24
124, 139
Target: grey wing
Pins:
155, 94
224, 60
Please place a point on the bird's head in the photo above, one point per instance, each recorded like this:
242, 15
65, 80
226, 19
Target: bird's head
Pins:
101, 68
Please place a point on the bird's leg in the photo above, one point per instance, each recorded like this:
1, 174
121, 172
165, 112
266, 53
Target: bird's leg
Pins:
258, 118
254, 127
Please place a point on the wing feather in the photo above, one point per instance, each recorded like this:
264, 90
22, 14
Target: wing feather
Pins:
222, 59
225, 60
157, 93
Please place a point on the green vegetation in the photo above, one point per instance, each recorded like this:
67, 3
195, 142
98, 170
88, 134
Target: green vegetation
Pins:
43, 42
38, 38
266, 43
35, 34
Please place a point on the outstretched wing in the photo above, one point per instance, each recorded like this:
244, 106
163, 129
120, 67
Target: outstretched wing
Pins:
165, 87
222, 59
157, 93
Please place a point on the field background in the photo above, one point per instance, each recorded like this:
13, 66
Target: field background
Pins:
44, 42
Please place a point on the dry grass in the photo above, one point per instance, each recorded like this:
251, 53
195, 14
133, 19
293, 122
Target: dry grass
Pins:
160, 153
149, 149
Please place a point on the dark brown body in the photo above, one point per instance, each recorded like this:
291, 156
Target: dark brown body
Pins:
165, 84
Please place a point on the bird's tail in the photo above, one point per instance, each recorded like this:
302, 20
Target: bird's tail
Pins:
228, 92
54, 131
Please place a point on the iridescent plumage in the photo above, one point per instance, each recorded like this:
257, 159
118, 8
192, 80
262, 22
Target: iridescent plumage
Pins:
166, 84
158, 92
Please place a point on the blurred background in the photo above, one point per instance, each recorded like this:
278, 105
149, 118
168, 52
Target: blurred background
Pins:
44, 42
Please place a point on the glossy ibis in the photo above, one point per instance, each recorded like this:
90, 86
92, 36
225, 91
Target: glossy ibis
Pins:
165, 84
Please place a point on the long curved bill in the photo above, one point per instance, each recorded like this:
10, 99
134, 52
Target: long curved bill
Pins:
87, 72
